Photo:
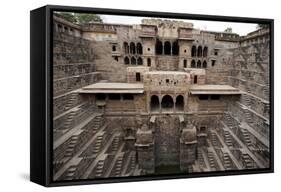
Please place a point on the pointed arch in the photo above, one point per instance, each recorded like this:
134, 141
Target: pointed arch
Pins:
205, 52
133, 61
139, 61
139, 48
199, 51
154, 103
184, 63
126, 48
127, 60
132, 48
193, 51
167, 102
175, 48
204, 64
179, 103
198, 64
193, 64
159, 47
167, 48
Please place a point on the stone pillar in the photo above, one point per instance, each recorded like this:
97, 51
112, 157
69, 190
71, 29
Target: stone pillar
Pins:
145, 149
188, 147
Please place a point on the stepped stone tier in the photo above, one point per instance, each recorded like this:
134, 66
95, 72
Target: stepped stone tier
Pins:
156, 98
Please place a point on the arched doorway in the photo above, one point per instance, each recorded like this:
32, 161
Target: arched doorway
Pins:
126, 48
167, 48
193, 51
167, 103
204, 64
139, 61
199, 52
193, 65
139, 48
175, 48
179, 103
132, 48
133, 61
154, 103
159, 47
205, 51
148, 62
199, 64
126, 60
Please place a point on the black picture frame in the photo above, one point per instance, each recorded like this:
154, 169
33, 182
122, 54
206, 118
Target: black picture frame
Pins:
41, 92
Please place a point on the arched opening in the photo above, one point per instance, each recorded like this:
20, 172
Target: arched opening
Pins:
193, 65
159, 47
195, 79
154, 103
204, 64
199, 64
126, 60
126, 48
184, 63
139, 61
199, 52
113, 47
175, 48
167, 103
193, 51
179, 103
132, 48
138, 76
139, 49
148, 62
167, 48
133, 61
205, 52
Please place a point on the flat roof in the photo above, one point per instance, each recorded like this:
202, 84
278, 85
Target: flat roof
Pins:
213, 89
113, 88
167, 72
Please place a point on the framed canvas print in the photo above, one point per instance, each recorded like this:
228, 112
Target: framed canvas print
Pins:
123, 95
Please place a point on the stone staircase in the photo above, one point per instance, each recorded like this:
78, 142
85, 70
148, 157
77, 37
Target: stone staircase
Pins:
246, 137
246, 100
99, 168
133, 161
69, 120
247, 161
71, 145
211, 160
97, 123
58, 164
248, 89
227, 161
70, 173
266, 92
118, 166
228, 120
214, 139
98, 144
70, 101
200, 159
228, 139
248, 117
115, 143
